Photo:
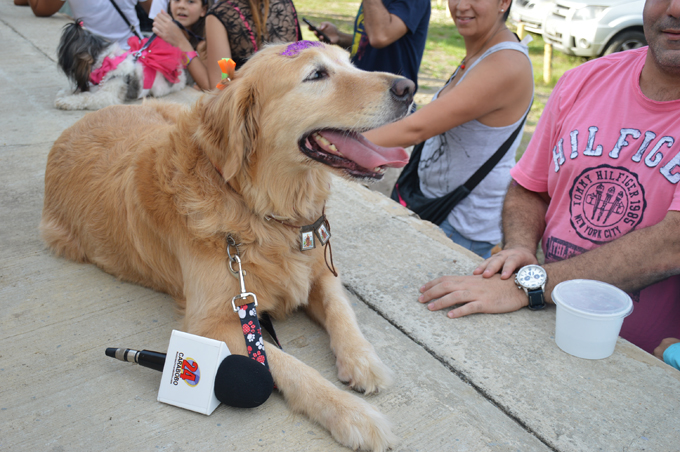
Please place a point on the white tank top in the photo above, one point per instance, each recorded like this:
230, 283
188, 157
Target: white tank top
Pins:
449, 159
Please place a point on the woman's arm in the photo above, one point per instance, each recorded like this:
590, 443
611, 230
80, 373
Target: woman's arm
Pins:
218, 47
146, 5
45, 8
494, 97
164, 27
199, 73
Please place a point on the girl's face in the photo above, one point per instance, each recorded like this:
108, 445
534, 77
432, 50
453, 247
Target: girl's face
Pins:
476, 17
187, 12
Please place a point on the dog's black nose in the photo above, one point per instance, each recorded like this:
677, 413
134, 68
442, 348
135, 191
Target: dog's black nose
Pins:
402, 89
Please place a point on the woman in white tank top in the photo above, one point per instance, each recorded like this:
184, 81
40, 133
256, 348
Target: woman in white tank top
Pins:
485, 100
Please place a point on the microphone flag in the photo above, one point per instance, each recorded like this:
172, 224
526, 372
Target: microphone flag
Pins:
189, 372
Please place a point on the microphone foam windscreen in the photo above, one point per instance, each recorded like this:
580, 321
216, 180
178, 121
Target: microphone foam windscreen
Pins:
242, 382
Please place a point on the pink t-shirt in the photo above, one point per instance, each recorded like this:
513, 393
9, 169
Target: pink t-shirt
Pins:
609, 158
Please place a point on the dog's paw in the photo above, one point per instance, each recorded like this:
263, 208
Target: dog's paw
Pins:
66, 101
363, 370
62, 103
357, 424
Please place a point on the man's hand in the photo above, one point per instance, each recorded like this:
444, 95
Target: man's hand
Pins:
330, 30
509, 260
491, 295
334, 35
658, 351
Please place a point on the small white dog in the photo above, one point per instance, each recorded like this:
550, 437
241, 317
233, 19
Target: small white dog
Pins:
104, 74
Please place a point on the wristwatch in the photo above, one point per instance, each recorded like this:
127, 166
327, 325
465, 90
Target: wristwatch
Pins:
532, 279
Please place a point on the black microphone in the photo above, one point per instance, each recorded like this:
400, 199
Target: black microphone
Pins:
146, 358
240, 382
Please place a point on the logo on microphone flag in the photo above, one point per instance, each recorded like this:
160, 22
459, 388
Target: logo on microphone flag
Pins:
186, 369
191, 373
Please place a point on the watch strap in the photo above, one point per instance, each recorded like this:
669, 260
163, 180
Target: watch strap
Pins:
536, 299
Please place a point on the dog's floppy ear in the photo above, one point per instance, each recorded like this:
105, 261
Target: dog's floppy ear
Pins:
77, 52
229, 125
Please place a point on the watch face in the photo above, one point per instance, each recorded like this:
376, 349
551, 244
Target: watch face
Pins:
531, 276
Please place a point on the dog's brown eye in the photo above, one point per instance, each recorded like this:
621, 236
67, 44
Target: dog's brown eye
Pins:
318, 74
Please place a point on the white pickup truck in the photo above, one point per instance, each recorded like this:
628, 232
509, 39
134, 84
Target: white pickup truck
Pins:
591, 28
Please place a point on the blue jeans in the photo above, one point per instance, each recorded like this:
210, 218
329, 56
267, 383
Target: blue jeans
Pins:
482, 249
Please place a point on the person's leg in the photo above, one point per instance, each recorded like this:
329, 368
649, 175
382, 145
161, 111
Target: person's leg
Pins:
454, 235
482, 249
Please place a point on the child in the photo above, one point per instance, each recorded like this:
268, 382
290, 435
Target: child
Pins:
190, 14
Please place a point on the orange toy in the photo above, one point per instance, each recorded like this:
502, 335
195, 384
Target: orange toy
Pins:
227, 65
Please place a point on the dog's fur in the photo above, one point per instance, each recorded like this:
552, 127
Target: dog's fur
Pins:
80, 52
153, 206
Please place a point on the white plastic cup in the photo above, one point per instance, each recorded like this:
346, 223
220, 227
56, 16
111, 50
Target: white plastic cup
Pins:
589, 317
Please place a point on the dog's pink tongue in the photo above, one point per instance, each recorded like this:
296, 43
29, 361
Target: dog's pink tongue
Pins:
364, 153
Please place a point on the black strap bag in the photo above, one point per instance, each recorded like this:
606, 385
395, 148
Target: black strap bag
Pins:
407, 189
145, 22
125, 19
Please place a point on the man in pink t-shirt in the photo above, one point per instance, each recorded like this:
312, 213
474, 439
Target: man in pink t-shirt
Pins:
599, 185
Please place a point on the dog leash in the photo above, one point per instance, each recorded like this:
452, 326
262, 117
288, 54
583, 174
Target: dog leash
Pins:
247, 313
138, 53
189, 32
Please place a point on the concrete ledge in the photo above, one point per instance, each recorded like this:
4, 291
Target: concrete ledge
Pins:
570, 404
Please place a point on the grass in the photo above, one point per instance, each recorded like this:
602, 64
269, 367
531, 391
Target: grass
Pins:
444, 50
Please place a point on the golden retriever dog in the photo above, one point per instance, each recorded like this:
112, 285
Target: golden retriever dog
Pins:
149, 194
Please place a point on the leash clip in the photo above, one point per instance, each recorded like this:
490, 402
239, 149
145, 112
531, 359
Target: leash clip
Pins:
138, 53
247, 313
244, 294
